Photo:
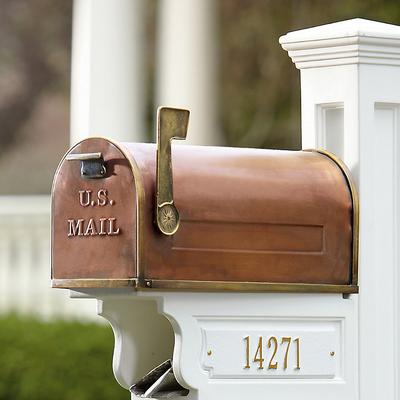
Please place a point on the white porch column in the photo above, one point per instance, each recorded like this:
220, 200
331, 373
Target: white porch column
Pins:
108, 70
350, 84
186, 62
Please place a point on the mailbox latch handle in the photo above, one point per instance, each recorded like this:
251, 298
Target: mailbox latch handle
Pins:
92, 164
172, 123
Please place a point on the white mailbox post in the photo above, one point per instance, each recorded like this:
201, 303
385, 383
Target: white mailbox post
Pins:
350, 99
286, 345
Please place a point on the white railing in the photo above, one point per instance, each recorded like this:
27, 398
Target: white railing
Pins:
108, 98
25, 262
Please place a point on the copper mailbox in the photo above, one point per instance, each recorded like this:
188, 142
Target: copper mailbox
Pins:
236, 219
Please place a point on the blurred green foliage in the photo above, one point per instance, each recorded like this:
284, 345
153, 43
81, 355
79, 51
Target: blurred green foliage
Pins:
56, 360
259, 85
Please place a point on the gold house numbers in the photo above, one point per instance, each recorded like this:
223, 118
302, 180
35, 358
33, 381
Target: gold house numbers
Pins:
265, 355
104, 226
272, 348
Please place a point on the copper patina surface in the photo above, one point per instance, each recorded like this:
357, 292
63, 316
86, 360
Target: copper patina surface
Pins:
93, 220
247, 215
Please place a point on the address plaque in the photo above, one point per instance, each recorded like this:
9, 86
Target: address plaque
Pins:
265, 349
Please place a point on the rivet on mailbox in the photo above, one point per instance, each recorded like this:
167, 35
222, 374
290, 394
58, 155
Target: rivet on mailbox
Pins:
202, 217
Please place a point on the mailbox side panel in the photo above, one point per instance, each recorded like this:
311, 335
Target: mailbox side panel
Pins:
250, 216
94, 221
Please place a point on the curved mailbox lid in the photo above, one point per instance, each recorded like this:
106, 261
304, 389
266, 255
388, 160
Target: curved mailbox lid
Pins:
250, 220
94, 220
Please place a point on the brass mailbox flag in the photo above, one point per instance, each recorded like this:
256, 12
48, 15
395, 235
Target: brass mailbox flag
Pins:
172, 123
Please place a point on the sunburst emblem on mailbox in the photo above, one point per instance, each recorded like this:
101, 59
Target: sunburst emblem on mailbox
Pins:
168, 219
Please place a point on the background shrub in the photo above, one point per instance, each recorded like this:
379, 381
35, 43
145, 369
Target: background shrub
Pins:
56, 360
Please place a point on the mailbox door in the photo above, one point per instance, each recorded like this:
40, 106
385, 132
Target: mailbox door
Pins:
93, 220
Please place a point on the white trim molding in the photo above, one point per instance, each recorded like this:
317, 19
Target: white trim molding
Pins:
356, 41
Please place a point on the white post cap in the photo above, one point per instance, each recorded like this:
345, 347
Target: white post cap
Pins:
355, 41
